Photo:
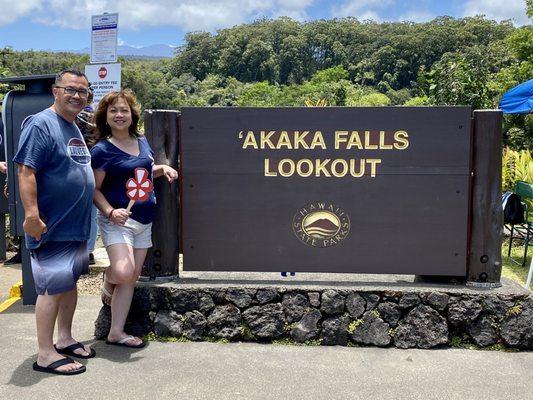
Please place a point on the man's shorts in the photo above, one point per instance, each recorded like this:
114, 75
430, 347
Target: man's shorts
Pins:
133, 233
57, 266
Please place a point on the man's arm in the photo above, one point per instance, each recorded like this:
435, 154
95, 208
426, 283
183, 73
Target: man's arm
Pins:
33, 225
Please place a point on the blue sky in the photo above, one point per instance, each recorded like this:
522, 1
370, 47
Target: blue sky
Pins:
65, 24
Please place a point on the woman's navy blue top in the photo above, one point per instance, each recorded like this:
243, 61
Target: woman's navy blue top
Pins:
119, 167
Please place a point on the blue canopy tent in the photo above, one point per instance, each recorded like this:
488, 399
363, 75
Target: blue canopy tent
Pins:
518, 100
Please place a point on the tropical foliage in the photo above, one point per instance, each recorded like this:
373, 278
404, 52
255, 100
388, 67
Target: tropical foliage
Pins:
339, 62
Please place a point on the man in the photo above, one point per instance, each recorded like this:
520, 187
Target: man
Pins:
56, 188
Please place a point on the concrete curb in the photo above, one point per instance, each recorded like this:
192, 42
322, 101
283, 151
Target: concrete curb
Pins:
15, 294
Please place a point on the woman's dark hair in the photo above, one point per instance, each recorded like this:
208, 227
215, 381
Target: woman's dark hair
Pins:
102, 129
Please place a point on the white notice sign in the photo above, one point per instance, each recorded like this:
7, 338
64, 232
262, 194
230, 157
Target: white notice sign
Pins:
104, 35
103, 79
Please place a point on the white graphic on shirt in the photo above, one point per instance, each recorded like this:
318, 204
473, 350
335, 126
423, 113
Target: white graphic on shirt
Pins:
78, 151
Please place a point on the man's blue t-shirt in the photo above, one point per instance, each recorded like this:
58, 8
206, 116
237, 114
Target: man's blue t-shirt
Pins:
119, 167
55, 149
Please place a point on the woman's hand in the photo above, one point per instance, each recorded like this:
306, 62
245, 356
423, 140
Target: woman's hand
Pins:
168, 172
119, 216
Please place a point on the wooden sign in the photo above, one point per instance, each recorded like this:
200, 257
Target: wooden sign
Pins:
367, 190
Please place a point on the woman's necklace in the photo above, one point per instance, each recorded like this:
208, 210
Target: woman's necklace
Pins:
128, 145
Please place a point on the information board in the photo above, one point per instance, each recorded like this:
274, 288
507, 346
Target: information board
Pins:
104, 35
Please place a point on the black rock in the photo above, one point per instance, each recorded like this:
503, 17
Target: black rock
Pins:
438, 300
184, 301
102, 323
194, 324
483, 332
332, 302
265, 322
409, 300
306, 328
218, 296
371, 299
205, 303
373, 330
314, 299
390, 312
423, 327
516, 329
462, 311
294, 306
158, 298
495, 306
225, 322
335, 331
240, 297
142, 299
168, 323
355, 305
264, 296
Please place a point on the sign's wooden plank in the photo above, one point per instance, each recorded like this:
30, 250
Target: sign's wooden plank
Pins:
401, 186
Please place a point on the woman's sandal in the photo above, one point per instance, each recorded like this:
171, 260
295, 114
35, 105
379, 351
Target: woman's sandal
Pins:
105, 294
124, 343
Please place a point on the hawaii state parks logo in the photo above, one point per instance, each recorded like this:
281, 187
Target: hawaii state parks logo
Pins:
321, 224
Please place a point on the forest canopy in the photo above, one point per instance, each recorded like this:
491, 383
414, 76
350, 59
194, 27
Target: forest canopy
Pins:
338, 62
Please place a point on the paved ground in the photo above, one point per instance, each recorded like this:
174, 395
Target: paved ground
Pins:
9, 275
253, 371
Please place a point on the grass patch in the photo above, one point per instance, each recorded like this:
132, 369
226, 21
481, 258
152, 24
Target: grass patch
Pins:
211, 339
353, 325
246, 333
462, 342
286, 342
152, 337
511, 270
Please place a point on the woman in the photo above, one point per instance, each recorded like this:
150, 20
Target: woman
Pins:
119, 150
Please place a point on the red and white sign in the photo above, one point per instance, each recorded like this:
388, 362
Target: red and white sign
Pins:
103, 79
139, 188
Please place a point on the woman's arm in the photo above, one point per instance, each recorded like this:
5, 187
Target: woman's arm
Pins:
164, 170
118, 216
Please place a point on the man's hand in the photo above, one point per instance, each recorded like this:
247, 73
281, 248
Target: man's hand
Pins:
3, 167
34, 226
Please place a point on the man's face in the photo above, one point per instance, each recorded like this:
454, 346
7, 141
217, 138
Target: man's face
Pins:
69, 105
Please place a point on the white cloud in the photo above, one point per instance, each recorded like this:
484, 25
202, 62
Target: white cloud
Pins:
361, 9
12, 11
498, 10
416, 16
184, 14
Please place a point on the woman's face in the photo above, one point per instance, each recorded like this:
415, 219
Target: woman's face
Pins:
119, 115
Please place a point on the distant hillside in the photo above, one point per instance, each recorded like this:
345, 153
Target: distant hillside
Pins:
152, 51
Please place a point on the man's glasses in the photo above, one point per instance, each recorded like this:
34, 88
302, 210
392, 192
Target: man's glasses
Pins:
71, 91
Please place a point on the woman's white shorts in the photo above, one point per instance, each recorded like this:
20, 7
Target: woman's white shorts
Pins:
133, 233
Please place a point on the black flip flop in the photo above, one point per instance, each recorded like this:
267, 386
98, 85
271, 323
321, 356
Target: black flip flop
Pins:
69, 351
51, 369
122, 343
